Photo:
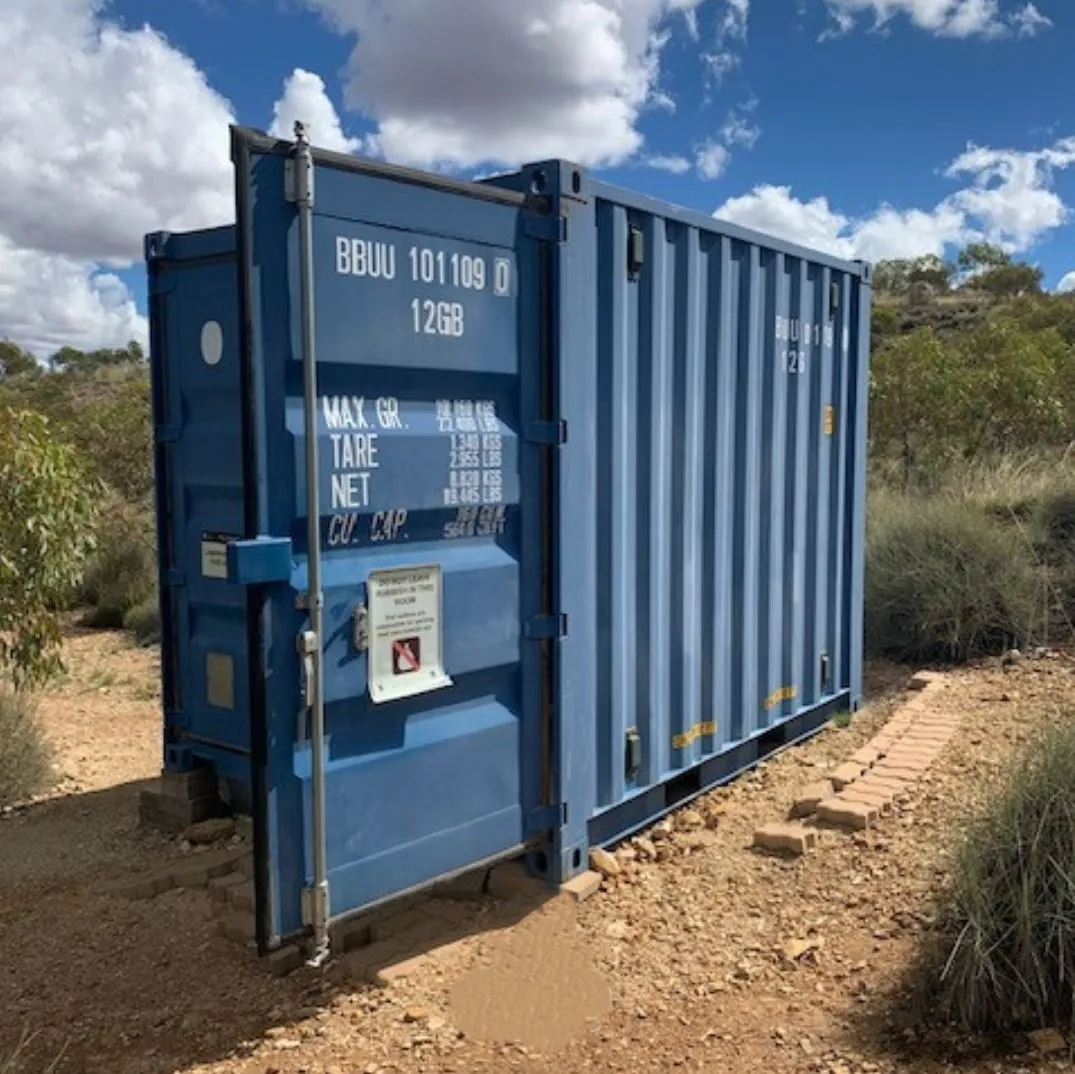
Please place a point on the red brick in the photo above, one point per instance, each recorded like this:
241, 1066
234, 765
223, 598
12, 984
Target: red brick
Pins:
912, 751
419, 936
242, 897
581, 887
932, 734
350, 934
846, 774
913, 744
885, 770
876, 797
367, 962
808, 798
935, 726
387, 926
882, 742
900, 722
220, 886
929, 737
867, 756
855, 815
238, 926
791, 838
284, 960
198, 869
894, 787
452, 913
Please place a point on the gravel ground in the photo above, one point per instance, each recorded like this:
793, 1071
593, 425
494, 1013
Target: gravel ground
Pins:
700, 955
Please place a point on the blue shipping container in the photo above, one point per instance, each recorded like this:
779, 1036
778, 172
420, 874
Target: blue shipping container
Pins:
587, 513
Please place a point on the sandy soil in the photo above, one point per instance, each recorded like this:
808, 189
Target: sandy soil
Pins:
704, 955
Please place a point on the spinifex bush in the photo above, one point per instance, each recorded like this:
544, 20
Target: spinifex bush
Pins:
24, 753
946, 581
1006, 960
122, 573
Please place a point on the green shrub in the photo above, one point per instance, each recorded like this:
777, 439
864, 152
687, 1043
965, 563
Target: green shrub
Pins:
47, 516
1003, 959
1054, 523
945, 581
144, 622
123, 573
24, 753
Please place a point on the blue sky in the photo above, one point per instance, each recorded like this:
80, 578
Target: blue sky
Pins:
873, 128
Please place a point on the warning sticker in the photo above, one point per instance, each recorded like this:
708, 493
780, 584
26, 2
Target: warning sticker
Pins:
215, 554
405, 650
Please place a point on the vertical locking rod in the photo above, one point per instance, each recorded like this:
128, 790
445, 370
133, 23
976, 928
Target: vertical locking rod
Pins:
318, 895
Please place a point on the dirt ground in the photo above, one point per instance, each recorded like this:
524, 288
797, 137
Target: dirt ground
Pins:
703, 955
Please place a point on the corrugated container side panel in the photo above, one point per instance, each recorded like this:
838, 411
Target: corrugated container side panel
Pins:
725, 405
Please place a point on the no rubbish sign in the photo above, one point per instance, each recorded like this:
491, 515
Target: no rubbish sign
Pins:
405, 651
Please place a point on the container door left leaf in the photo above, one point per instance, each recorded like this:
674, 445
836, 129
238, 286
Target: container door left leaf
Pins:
427, 303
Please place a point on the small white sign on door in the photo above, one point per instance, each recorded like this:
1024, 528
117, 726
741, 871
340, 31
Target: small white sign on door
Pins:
405, 633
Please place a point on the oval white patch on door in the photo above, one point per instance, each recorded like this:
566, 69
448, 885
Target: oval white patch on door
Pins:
212, 342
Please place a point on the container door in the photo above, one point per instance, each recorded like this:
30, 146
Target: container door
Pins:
432, 438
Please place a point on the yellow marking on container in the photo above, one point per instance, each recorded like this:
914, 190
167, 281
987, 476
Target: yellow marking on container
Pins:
785, 693
708, 727
830, 419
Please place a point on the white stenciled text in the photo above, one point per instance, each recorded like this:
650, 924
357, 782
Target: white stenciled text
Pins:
354, 427
436, 316
366, 258
476, 451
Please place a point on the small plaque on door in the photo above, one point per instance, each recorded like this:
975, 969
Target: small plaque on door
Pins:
406, 655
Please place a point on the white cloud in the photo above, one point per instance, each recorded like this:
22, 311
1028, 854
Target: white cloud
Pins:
945, 18
675, 164
711, 160
1011, 194
1009, 201
731, 34
108, 134
738, 129
1066, 286
49, 301
1029, 21
566, 78
773, 210
305, 99
721, 64
733, 21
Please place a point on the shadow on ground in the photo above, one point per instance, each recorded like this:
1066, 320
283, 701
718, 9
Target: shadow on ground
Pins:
899, 1024
145, 986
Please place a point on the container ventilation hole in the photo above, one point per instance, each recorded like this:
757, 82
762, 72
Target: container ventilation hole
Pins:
212, 342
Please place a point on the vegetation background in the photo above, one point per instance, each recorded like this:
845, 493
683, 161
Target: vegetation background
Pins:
972, 476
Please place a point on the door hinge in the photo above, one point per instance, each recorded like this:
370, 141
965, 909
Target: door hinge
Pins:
314, 905
545, 228
545, 817
306, 643
298, 181
551, 433
632, 753
547, 626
